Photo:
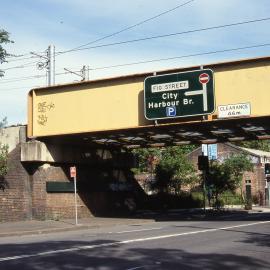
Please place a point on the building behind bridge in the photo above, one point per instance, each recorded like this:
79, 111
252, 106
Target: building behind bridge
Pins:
44, 190
255, 179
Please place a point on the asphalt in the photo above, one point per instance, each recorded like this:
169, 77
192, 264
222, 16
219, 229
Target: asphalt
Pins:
31, 227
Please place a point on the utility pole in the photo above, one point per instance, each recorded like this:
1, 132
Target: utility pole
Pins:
49, 64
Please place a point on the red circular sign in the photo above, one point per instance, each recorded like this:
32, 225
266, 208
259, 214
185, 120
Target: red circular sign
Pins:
73, 171
204, 78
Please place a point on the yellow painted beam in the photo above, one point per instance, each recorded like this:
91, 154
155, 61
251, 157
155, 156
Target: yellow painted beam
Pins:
117, 103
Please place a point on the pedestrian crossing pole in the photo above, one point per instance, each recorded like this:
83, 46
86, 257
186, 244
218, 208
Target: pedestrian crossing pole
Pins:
73, 174
203, 165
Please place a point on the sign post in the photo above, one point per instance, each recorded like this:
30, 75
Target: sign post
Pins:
179, 94
73, 174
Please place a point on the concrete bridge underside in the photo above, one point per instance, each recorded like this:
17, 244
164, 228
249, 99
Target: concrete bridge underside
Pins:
204, 131
109, 113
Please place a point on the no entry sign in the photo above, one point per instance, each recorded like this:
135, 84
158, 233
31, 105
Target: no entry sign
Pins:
204, 78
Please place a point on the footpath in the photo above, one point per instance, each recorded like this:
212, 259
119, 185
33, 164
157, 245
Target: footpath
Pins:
31, 227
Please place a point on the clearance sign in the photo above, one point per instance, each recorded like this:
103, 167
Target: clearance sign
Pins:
179, 95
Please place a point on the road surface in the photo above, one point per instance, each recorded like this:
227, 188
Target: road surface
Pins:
233, 242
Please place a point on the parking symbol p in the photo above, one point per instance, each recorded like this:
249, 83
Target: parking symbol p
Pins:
171, 111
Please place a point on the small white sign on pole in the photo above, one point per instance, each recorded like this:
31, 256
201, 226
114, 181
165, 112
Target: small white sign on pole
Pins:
210, 150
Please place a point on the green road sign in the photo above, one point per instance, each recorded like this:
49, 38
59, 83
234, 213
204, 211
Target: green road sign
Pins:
179, 95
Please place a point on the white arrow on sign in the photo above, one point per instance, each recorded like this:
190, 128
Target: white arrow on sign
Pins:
203, 79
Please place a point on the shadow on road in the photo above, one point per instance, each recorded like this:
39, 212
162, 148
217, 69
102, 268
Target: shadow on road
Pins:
112, 255
117, 256
200, 215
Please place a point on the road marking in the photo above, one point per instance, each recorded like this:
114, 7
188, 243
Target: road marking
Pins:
116, 243
139, 267
140, 230
143, 266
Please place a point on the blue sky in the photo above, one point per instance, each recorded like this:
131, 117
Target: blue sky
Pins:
35, 24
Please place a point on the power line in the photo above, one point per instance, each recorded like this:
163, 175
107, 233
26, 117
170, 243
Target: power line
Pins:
141, 39
148, 61
171, 34
21, 66
20, 88
21, 59
104, 37
18, 79
129, 27
11, 80
147, 38
182, 56
16, 56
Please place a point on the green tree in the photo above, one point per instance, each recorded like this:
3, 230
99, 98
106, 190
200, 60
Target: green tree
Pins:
228, 176
263, 145
3, 160
3, 157
237, 165
149, 157
146, 158
218, 181
4, 39
173, 171
3, 166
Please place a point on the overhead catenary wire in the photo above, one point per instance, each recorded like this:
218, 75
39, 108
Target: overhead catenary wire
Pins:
21, 59
21, 88
171, 34
16, 56
106, 36
182, 56
11, 80
20, 55
30, 64
150, 61
128, 28
18, 79
136, 40
150, 38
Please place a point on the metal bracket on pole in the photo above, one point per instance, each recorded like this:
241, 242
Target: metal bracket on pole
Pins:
84, 73
49, 64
